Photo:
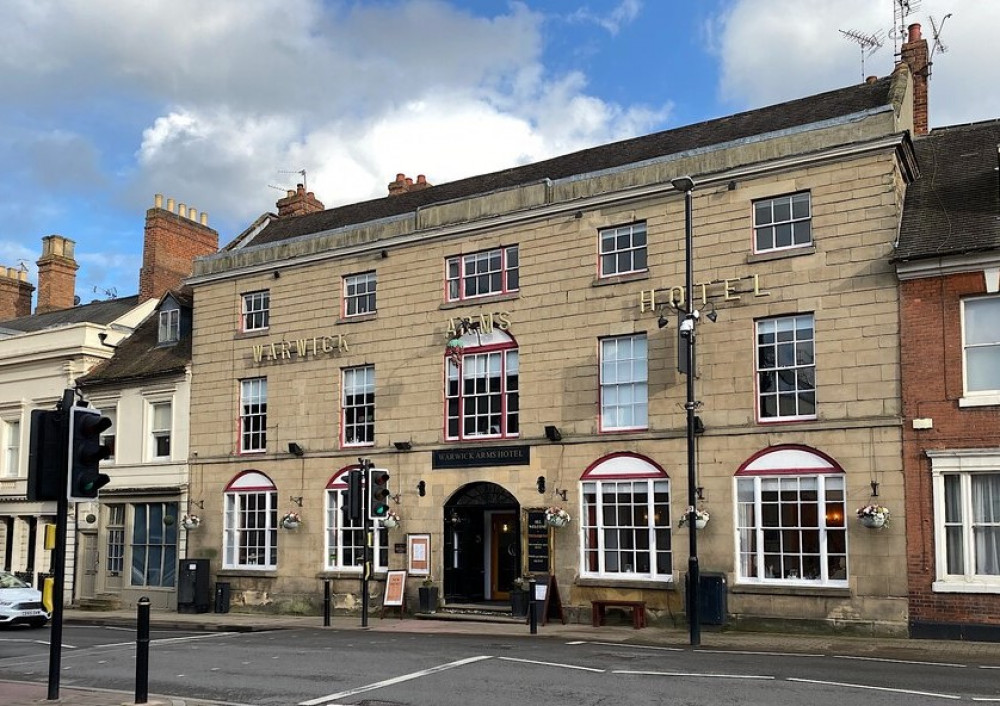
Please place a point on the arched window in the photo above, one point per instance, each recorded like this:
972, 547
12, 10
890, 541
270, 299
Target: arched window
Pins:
626, 519
345, 540
481, 386
251, 522
790, 518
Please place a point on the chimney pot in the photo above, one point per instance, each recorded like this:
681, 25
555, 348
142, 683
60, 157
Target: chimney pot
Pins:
170, 205
871, 79
204, 218
913, 33
182, 210
157, 200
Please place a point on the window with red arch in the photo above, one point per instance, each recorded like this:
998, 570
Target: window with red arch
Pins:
626, 519
790, 518
250, 522
345, 540
482, 398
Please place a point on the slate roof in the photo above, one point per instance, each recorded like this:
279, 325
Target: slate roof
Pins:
140, 356
803, 111
101, 312
954, 207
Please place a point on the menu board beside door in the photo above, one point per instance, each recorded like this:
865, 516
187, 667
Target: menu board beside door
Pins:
538, 543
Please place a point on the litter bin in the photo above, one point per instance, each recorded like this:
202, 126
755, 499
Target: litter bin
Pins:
222, 592
192, 586
712, 598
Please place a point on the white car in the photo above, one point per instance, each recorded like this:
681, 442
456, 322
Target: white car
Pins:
20, 603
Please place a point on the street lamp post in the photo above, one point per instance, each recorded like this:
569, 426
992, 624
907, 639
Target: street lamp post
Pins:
687, 332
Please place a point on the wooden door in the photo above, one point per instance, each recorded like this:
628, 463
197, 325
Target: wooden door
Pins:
505, 554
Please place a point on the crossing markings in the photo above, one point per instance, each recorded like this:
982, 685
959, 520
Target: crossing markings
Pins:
693, 675
877, 688
551, 664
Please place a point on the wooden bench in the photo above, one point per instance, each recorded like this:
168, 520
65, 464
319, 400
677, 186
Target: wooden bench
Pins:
598, 608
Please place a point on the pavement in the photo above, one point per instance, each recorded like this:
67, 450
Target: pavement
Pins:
712, 638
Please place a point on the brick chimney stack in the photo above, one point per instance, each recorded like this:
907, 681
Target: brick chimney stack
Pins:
915, 55
56, 274
173, 239
299, 203
403, 184
15, 293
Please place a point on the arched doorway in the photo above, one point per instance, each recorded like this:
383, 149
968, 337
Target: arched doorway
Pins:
482, 543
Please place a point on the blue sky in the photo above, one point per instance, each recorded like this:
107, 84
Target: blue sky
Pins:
104, 103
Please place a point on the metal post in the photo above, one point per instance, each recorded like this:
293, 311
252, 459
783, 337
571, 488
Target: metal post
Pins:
693, 569
142, 651
59, 557
326, 603
532, 607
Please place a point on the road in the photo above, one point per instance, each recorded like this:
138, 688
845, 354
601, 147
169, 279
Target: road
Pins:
317, 667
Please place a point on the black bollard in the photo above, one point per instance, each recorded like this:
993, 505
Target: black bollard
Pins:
142, 651
532, 607
326, 603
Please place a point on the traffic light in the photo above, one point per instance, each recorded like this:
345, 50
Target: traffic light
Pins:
378, 493
86, 453
46, 455
353, 508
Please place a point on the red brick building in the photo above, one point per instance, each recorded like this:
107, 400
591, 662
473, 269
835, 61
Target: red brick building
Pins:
948, 261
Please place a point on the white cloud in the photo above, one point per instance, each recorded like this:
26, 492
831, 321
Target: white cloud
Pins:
622, 14
755, 40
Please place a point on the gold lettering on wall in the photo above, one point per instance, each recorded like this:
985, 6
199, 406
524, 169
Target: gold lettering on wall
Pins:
483, 323
299, 349
727, 289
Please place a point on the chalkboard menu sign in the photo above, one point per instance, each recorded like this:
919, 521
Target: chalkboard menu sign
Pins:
538, 542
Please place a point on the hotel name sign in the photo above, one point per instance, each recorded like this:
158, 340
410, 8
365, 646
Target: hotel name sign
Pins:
300, 348
729, 290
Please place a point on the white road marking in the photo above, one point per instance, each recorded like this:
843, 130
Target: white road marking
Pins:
876, 688
985, 698
389, 682
631, 647
901, 661
551, 664
756, 652
34, 642
696, 675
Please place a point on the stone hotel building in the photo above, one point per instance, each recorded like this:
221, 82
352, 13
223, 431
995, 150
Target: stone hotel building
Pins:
508, 342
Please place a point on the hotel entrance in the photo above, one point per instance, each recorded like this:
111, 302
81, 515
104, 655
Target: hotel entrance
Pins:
482, 548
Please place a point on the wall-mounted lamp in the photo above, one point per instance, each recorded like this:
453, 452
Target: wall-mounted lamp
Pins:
385, 254
297, 499
295, 449
402, 445
540, 484
874, 488
699, 426
712, 315
276, 275
421, 489
561, 493
552, 433
662, 321
700, 492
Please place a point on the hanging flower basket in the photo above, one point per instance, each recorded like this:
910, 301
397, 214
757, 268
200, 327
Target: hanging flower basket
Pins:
291, 520
874, 516
557, 517
701, 518
190, 522
391, 520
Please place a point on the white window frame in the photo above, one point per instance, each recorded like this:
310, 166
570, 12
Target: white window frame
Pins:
764, 217
255, 312
109, 437
357, 418
624, 382
482, 359
791, 467
497, 270
622, 250
170, 326
251, 495
253, 415
783, 325
115, 545
601, 555
963, 464
360, 293
157, 432
984, 396
11, 448
346, 540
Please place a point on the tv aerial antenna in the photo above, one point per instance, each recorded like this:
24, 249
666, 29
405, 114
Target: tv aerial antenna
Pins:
869, 43
936, 32
300, 172
901, 9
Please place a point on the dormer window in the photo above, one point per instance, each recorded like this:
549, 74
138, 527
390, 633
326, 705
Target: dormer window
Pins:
170, 326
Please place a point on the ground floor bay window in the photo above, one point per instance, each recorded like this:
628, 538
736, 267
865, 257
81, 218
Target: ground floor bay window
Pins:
967, 520
251, 523
626, 520
790, 519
